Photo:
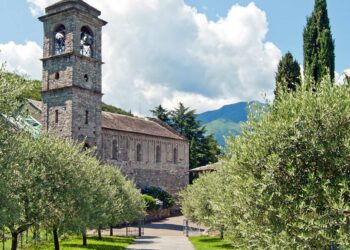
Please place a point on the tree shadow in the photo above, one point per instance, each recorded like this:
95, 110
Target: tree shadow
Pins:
113, 239
95, 246
218, 241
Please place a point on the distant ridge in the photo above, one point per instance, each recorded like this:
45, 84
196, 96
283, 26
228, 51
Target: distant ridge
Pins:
226, 120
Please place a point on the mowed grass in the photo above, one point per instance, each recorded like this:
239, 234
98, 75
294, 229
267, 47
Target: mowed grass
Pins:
93, 243
210, 243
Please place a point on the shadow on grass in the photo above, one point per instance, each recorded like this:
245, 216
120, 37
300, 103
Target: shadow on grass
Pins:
95, 246
113, 239
216, 241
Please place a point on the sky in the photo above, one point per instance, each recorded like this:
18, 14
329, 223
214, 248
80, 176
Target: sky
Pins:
203, 53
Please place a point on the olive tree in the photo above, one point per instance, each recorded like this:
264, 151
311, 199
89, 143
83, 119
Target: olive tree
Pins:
204, 201
290, 172
17, 209
286, 179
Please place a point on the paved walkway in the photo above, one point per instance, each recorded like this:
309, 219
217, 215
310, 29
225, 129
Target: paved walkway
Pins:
164, 235
161, 243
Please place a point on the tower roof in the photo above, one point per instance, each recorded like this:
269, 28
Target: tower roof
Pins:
64, 5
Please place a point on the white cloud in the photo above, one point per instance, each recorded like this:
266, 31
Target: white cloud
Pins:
163, 51
22, 58
341, 78
37, 6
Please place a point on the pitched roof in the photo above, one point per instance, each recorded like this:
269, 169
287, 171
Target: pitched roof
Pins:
36, 104
130, 124
208, 168
138, 125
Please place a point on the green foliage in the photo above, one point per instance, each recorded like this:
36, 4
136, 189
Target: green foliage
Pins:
115, 110
55, 183
33, 93
221, 128
285, 184
204, 201
203, 148
161, 195
151, 203
319, 57
288, 76
161, 113
210, 243
74, 243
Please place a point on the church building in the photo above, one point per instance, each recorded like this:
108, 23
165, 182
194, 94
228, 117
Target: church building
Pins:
145, 149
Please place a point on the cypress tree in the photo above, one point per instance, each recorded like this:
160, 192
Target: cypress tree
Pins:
318, 45
288, 76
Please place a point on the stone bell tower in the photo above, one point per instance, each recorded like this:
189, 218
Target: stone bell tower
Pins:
72, 61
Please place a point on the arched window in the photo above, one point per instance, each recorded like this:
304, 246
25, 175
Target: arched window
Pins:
115, 150
59, 40
138, 152
158, 154
56, 116
175, 155
86, 41
86, 77
86, 117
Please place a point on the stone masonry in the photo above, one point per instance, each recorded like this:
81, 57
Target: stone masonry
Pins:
145, 150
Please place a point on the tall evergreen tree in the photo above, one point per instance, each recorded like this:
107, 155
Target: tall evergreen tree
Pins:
288, 76
161, 113
203, 148
318, 45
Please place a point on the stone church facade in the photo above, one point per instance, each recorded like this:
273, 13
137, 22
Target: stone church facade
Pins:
145, 149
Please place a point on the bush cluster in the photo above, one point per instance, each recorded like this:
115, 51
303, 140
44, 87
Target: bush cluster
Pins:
159, 194
286, 180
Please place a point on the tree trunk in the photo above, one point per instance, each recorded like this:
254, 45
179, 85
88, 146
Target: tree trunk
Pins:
55, 239
14, 240
84, 239
222, 233
99, 233
111, 230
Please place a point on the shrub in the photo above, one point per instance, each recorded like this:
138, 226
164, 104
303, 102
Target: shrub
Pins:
160, 194
151, 203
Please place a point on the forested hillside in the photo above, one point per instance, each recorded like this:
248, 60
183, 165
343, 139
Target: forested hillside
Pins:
226, 120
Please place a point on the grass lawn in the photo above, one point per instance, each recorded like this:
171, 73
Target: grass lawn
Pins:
209, 243
75, 243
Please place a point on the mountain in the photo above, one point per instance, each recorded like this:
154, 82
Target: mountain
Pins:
226, 120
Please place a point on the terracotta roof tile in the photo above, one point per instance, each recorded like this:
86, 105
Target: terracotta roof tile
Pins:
130, 124
137, 125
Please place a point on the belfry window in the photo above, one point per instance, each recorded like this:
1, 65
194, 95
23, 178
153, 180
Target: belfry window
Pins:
115, 150
86, 41
158, 154
59, 40
138, 153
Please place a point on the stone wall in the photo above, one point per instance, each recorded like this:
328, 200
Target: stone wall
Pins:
72, 82
87, 108
57, 112
169, 175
